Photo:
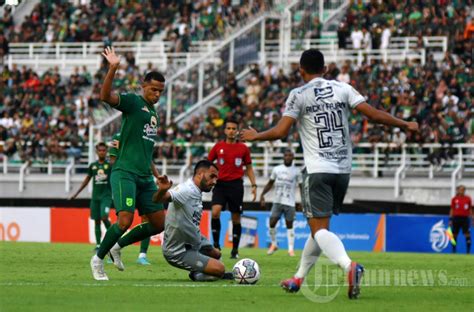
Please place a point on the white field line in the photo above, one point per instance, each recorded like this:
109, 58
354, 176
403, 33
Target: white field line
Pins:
198, 285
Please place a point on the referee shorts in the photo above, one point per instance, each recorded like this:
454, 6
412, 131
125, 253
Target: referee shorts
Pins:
230, 193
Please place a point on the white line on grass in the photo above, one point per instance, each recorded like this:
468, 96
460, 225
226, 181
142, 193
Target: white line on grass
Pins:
197, 285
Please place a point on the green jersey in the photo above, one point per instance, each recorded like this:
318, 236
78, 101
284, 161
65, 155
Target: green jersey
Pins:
137, 134
100, 174
114, 151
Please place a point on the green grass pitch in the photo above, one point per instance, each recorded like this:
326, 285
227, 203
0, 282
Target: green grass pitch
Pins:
56, 277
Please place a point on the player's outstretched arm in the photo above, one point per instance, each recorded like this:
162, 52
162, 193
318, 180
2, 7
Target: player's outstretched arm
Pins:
280, 131
162, 195
83, 185
106, 94
382, 117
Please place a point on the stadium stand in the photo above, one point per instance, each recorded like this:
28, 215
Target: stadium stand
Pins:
57, 107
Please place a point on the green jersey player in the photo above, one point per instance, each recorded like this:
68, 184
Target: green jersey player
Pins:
113, 154
99, 172
131, 179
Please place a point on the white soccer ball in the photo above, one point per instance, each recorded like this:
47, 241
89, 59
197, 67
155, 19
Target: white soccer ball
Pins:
246, 271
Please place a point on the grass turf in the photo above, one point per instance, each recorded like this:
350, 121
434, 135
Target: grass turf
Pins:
56, 277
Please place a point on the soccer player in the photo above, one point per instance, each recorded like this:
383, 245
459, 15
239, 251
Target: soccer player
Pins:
131, 179
461, 210
322, 108
231, 157
99, 172
113, 153
184, 247
285, 177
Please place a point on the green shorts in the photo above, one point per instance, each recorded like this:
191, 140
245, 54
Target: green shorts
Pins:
100, 207
130, 190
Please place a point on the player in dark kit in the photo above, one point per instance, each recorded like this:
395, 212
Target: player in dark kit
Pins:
131, 178
231, 157
459, 215
99, 172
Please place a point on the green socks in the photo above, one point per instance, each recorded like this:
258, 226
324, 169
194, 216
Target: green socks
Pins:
138, 233
111, 237
144, 245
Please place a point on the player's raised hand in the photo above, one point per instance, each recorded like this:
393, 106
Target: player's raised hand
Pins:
164, 183
111, 57
412, 126
249, 135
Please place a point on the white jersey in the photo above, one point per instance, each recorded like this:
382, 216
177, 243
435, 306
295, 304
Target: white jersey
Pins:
183, 219
286, 179
322, 108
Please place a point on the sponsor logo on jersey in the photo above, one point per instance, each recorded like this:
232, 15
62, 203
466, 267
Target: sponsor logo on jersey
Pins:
323, 93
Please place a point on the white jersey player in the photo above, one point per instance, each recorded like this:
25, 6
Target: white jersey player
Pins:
285, 178
184, 247
321, 108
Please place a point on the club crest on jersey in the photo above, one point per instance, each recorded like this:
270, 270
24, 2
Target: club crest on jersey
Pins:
238, 162
221, 151
145, 109
106, 166
221, 161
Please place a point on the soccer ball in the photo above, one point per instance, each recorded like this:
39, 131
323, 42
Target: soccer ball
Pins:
246, 271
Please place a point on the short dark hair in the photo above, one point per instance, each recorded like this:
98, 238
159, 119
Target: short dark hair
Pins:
312, 61
204, 164
100, 144
231, 120
154, 75
288, 151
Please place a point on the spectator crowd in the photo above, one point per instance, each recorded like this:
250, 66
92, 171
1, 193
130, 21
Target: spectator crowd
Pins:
38, 114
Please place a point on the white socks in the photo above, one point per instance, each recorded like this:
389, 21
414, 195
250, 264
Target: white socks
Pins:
273, 236
142, 255
290, 233
309, 257
333, 248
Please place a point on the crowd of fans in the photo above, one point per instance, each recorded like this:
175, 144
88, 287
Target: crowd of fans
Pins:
110, 21
439, 97
38, 114
43, 117
371, 25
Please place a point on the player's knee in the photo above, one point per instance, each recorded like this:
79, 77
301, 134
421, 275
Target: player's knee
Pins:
215, 253
289, 224
236, 218
124, 222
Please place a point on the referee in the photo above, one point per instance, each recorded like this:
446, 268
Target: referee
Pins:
461, 210
231, 158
